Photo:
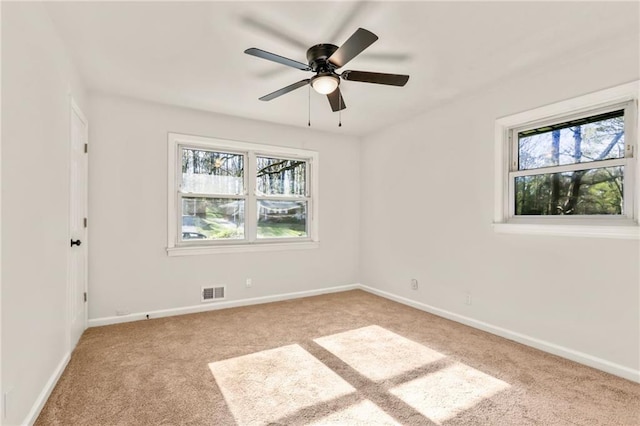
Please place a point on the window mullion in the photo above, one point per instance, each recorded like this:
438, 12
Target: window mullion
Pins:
512, 166
178, 150
199, 195
308, 185
570, 167
179, 217
513, 159
251, 215
281, 198
630, 202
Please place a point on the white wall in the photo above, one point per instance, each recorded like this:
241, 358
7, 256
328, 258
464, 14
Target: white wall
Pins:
433, 222
37, 78
128, 266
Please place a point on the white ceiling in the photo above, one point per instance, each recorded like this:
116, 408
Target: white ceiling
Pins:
191, 54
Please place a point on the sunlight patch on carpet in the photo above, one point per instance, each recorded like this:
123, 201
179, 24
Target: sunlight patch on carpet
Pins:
444, 394
262, 387
364, 413
378, 354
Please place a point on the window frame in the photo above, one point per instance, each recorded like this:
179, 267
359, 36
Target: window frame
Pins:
181, 195
506, 150
178, 247
307, 197
626, 162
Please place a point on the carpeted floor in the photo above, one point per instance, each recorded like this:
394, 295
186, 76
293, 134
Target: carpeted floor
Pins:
347, 358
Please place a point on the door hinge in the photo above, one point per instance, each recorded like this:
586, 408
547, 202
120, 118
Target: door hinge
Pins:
85, 222
85, 296
86, 148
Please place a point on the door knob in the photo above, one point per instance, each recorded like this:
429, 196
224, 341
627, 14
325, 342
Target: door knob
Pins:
75, 243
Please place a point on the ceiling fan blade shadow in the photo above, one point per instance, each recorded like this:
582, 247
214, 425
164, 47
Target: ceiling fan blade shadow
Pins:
387, 57
336, 100
376, 77
276, 58
356, 10
285, 90
351, 48
271, 72
273, 31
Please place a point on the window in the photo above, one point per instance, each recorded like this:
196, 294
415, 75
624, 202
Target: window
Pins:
569, 168
236, 196
575, 167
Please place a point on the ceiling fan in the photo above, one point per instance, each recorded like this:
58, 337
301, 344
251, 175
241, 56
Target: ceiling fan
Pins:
324, 60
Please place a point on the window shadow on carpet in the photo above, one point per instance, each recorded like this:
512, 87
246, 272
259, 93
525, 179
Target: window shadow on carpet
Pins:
368, 376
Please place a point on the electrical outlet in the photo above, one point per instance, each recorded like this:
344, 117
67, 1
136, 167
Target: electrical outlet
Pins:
121, 312
468, 299
414, 284
248, 283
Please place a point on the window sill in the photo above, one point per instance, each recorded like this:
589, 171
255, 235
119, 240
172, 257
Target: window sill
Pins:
240, 248
626, 232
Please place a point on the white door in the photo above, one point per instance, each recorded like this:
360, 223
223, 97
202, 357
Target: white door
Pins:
78, 225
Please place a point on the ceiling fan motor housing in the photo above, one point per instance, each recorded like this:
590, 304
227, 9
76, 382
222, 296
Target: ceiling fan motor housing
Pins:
318, 57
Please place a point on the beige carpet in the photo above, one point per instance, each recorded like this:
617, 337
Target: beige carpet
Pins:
348, 358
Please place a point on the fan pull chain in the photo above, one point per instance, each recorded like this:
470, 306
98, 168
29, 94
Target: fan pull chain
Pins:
339, 108
309, 122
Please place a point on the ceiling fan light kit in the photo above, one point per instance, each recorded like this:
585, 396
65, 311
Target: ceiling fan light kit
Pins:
324, 60
325, 83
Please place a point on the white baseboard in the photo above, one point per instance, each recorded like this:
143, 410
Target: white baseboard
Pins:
570, 354
212, 306
46, 391
564, 352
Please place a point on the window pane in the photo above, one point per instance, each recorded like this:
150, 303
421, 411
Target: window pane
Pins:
282, 219
212, 218
584, 192
588, 139
276, 176
210, 172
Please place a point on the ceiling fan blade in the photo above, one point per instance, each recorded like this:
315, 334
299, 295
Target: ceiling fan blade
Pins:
275, 32
351, 48
285, 90
277, 58
336, 101
376, 77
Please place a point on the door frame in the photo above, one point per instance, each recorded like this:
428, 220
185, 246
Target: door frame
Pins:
75, 109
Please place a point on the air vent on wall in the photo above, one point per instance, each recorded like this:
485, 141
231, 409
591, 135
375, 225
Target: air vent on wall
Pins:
209, 294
